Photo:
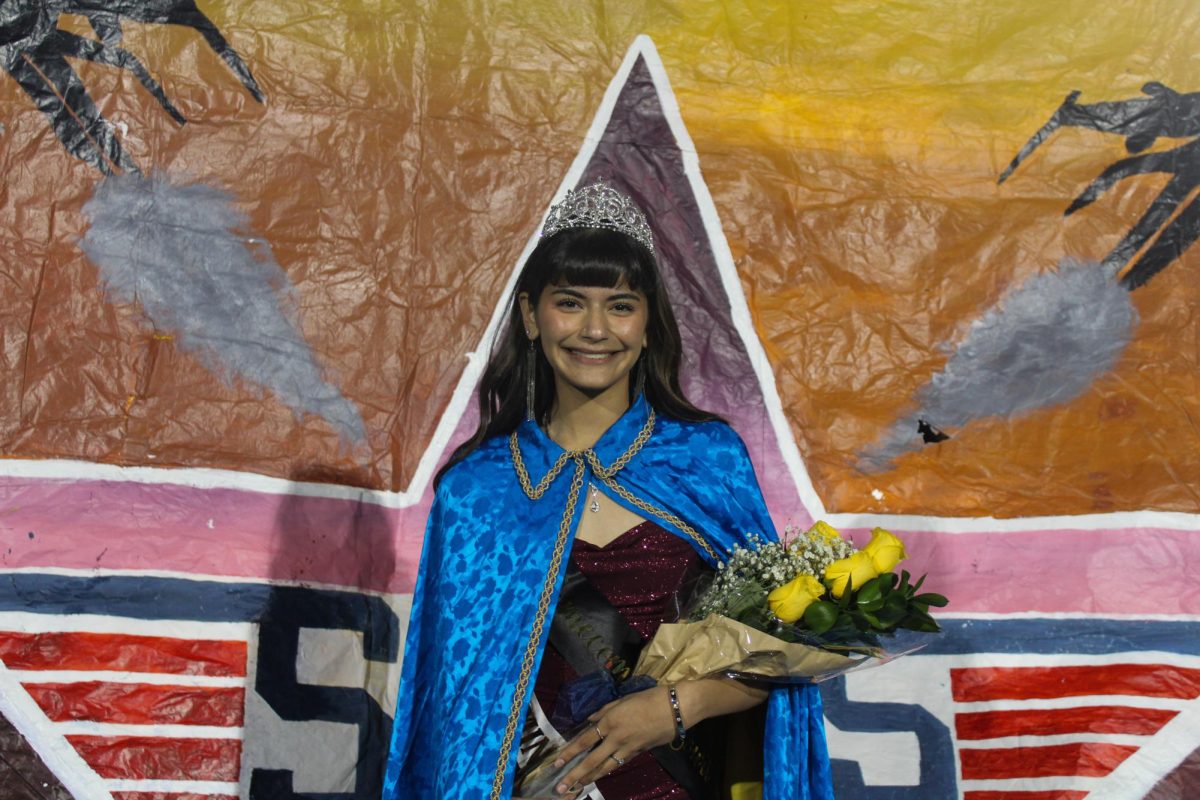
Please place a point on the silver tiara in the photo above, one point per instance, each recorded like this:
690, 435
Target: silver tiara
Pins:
598, 205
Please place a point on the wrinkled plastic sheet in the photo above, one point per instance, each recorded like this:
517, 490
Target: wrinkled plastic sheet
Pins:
292, 283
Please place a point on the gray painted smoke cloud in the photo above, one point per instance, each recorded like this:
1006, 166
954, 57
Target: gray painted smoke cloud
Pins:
183, 252
1041, 345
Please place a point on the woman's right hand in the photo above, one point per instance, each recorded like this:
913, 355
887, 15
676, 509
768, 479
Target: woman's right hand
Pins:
620, 731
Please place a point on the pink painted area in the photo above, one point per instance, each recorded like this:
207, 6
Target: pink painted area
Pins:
226, 532
115, 525
1120, 571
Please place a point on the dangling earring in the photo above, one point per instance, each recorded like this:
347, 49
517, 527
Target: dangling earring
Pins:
530, 382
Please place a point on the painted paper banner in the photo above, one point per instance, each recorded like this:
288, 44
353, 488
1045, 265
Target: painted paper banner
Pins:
932, 261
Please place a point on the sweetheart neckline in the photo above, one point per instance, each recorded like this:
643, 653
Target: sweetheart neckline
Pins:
619, 537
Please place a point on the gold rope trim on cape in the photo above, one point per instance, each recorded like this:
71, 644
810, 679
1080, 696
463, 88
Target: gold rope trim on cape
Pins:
649, 509
539, 623
605, 474
536, 492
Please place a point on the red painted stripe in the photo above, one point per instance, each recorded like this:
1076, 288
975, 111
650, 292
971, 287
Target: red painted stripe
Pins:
170, 796
121, 652
1085, 759
1026, 683
153, 758
139, 704
1048, 722
1054, 794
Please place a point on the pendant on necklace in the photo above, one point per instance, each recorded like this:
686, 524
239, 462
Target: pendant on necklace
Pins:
594, 506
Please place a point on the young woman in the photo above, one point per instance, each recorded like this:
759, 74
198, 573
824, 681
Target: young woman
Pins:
589, 495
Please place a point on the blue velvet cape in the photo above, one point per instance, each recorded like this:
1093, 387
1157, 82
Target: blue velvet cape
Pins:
491, 568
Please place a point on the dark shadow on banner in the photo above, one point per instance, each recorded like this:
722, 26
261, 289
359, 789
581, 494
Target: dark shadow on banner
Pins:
309, 530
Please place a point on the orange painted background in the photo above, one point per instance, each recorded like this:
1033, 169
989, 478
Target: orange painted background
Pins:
404, 156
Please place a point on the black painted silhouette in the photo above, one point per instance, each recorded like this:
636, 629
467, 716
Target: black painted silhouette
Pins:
1162, 113
930, 434
1174, 234
34, 51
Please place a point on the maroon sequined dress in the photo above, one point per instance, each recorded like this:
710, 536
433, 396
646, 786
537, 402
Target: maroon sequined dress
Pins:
639, 573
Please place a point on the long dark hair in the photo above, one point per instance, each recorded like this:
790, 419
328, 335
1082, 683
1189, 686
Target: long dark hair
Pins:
578, 257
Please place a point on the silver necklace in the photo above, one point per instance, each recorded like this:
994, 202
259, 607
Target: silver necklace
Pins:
594, 506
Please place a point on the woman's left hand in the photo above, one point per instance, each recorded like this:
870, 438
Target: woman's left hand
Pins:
620, 731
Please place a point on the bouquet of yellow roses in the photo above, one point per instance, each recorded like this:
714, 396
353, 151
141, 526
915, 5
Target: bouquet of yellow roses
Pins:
807, 608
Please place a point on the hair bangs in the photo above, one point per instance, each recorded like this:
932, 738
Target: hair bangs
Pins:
595, 257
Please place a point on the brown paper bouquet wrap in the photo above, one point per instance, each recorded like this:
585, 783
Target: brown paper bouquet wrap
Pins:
717, 645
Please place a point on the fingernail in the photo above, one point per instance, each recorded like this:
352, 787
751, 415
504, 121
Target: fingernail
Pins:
558, 762
561, 788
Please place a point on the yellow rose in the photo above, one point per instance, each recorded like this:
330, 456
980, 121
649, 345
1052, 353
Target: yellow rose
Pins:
825, 530
856, 569
789, 601
885, 549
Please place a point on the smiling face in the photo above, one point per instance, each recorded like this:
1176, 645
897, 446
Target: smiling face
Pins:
591, 336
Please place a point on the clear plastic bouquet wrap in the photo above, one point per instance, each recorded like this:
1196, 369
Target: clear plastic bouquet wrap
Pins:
804, 609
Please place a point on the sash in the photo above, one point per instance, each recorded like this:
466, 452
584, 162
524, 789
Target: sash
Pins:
593, 637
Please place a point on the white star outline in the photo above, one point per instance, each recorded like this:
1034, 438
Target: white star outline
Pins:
643, 47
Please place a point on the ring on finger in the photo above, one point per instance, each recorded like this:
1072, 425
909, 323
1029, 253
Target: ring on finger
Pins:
596, 728
620, 761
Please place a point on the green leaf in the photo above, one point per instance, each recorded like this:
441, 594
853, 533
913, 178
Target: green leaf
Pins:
873, 606
894, 609
843, 632
931, 599
917, 585
872, 619
920, 621
870, 596
820, 615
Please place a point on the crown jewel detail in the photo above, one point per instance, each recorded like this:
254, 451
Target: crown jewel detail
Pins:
598, 205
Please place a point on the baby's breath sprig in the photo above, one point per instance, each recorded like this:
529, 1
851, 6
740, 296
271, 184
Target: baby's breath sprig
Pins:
752, 571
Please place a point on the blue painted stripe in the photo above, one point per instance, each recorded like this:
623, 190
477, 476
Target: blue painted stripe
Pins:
206, 601
1088, 636
134, 596
211, 601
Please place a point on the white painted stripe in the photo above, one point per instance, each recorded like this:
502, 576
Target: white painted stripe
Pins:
988, 615
1121, 520
477, 360
1030, 740
56, 752
73, 471
67, 470
463, 390
739, 309
1084, 701
1137, 775
194, 787
744, 325
1051, 784
82, 728
984, 659
28, 622
155, 678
